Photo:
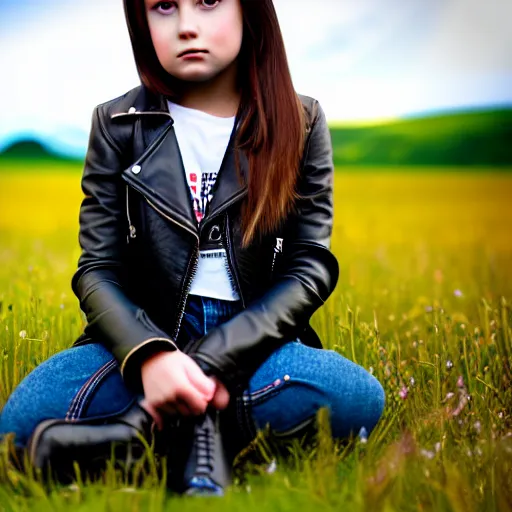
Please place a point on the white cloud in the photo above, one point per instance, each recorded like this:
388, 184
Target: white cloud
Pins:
471, 37
77, 58
383, 59
337, 35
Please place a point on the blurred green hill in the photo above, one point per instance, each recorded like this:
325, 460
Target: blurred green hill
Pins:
32, 151
479, 138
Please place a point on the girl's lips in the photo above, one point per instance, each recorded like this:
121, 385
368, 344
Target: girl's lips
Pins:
193, 55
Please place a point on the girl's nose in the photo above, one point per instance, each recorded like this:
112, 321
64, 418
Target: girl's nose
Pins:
188, 26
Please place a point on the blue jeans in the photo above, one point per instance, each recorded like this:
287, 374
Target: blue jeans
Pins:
84, 382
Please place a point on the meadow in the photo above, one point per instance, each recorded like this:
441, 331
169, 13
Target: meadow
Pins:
423, 302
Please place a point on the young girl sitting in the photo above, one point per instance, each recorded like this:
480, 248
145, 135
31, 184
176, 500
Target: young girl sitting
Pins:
205, 231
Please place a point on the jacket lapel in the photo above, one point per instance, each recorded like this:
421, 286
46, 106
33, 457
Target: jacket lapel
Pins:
227, 187
160, 174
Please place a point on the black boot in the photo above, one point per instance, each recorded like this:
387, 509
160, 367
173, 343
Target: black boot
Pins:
56, 443
208, 463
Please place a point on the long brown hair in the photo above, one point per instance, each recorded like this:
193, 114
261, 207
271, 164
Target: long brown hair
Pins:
272, 118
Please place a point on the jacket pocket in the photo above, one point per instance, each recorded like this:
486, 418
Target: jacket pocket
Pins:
264, 392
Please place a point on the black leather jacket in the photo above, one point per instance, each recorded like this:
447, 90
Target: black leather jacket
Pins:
140, 244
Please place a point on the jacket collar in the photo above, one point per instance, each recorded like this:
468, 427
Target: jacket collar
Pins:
159, 172
145, 102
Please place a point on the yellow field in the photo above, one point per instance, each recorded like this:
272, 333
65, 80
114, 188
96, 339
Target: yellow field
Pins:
425, 279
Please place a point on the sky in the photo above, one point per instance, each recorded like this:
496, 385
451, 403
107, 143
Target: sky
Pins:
364, 60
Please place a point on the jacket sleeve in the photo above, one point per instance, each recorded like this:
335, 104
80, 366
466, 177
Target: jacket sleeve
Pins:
113, 319
305, 279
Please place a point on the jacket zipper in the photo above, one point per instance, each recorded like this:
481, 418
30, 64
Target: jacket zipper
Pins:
132, 232
278, 248
189, 273
193, 263
189, 278
231, 260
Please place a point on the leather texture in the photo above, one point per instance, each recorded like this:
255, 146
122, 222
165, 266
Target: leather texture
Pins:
208, 469
57, 444
140, 242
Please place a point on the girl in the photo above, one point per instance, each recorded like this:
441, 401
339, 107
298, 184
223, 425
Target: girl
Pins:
205, 232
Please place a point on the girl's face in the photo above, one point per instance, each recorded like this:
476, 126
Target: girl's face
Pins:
212, 26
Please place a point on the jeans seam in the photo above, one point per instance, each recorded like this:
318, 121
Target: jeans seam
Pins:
80, 392
107, 415
93, 387
83, 392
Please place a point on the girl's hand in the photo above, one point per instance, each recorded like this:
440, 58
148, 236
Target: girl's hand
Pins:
221, 396
174, 383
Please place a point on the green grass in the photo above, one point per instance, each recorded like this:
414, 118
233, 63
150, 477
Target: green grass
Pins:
423, 301
471, 139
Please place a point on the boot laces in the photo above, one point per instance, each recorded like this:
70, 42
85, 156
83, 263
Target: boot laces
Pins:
204, 447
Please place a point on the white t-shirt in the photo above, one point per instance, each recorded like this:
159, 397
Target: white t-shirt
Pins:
203, 139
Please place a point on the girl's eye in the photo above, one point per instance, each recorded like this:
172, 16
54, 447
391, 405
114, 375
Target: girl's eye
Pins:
165, 6
210, 3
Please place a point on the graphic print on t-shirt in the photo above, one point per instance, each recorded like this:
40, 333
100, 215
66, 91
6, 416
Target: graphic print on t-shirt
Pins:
201, 185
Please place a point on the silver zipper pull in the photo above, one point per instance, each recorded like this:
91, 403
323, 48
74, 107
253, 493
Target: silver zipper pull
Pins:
131, 227
278, 247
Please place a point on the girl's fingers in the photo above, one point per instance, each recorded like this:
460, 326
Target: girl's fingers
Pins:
153, 412
183, 407
195, 400
221, 398
169, 409
200, 381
